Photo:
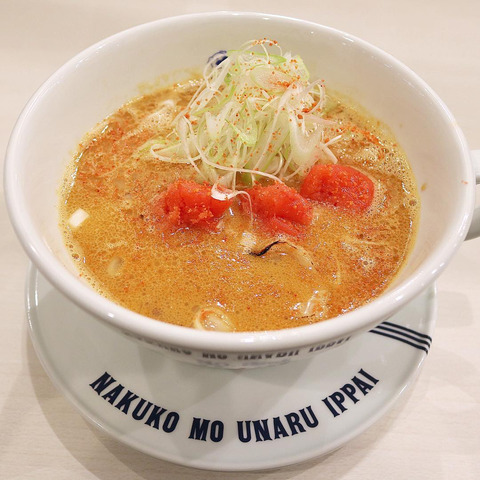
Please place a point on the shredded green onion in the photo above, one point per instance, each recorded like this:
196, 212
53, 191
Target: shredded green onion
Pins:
255, 114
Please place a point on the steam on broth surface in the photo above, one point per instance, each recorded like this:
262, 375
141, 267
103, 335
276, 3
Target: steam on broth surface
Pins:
250, 253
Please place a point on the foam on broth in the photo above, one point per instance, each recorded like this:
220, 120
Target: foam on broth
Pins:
350, 257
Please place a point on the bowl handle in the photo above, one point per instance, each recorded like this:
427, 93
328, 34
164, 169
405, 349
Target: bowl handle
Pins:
474, 230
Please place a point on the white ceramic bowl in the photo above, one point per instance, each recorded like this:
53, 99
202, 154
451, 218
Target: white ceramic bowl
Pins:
98, 80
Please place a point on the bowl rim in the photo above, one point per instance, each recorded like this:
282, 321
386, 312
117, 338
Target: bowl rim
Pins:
152, 330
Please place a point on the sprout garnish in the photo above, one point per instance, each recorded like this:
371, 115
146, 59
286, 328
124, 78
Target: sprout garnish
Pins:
301, 255
255, 114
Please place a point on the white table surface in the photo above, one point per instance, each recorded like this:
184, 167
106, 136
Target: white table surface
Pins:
433, 432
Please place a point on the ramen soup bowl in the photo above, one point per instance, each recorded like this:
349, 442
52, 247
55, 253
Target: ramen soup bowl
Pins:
100, 79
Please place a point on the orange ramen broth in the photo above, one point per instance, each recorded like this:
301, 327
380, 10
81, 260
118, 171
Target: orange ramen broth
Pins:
351, 257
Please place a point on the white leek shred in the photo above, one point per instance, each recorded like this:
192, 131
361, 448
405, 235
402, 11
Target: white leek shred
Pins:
255, 114
77, 218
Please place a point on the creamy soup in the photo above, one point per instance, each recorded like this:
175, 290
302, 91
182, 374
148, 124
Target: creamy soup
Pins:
160, 231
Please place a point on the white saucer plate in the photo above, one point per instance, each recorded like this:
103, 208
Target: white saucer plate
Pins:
229, 420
